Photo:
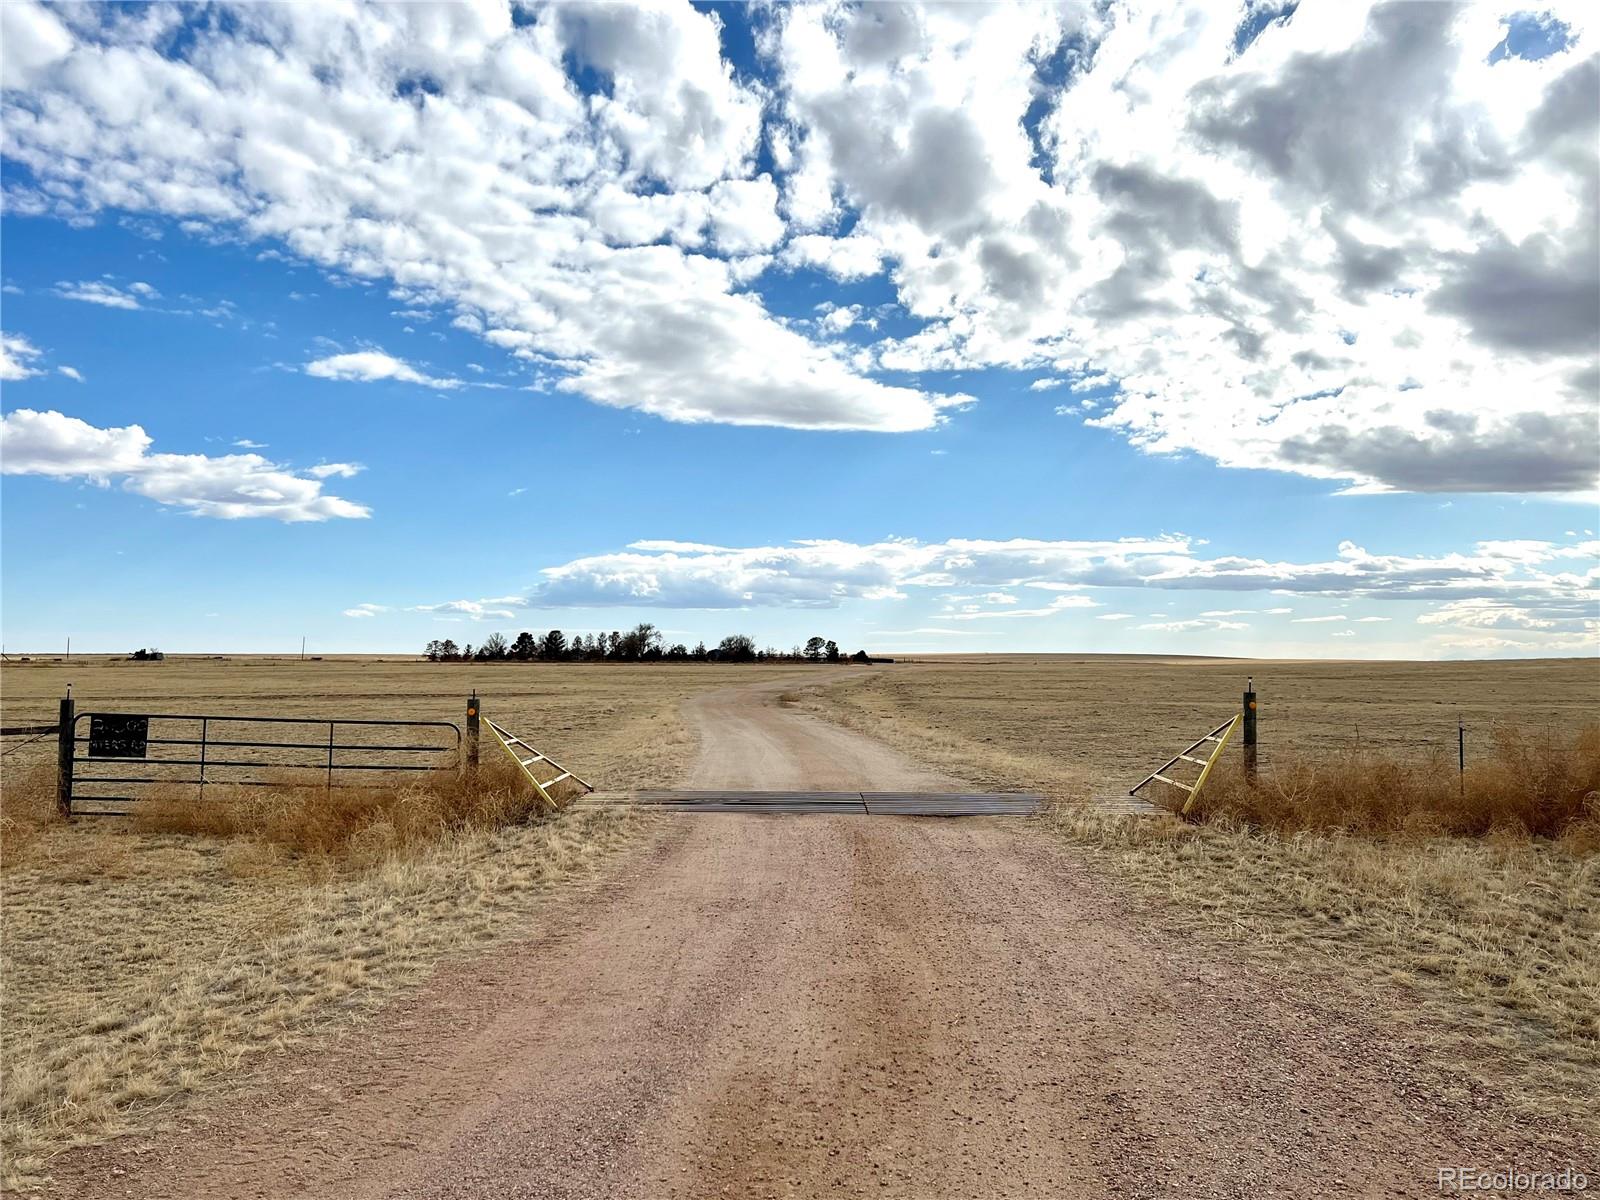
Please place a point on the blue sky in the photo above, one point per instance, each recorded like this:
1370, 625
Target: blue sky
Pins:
902, 327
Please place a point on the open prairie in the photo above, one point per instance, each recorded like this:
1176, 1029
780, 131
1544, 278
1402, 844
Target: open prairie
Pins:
1181, 992
1100, 723
1489, 948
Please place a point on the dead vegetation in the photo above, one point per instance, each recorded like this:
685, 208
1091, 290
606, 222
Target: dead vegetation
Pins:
155, 957
27, 807
1529, 785
1469, 916
356, 825
148, 966
1487, 950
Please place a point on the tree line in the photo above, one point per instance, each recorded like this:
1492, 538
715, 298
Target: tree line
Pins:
642, 643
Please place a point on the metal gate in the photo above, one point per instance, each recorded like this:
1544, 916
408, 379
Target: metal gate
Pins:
112, 760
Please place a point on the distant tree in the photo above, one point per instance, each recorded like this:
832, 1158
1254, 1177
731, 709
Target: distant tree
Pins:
554, 646
699, 651
737, 647
524, 648
830, 651
814, 649
466, 654
614, 645
678, 652
656, 648
449, 651
431, 650
494, 648
580, 646
860, 656
642, 641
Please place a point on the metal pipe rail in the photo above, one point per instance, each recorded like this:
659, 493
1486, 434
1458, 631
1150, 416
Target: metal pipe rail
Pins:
122, 739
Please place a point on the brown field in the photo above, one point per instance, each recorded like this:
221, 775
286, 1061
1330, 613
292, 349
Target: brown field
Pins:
140, 965
1099, 724
1490, 947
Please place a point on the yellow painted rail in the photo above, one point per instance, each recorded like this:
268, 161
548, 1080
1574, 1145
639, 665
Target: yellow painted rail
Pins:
509, 742
1218, 738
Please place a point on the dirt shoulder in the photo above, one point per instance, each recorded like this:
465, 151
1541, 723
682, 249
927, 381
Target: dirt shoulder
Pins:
816, 1006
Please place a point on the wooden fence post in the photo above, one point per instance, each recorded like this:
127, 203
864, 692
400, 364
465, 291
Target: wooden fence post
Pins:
64, 746
1250, 729
472, 735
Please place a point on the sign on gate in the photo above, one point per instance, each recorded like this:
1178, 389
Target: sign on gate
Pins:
114, 736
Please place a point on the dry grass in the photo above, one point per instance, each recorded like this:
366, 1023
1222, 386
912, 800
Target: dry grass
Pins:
1529, 785
27, 807
1487, 949
151, 959
150, 966
356, 825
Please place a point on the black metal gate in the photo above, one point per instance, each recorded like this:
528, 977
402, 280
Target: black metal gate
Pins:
127, 757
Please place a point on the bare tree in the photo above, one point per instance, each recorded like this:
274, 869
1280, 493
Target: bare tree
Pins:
737, 647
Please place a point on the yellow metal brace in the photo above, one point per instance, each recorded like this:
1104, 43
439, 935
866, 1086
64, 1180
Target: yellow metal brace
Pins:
1219, 739
1205, 771
508, 741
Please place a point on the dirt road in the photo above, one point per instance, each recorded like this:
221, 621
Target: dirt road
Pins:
835, 1006
749, 739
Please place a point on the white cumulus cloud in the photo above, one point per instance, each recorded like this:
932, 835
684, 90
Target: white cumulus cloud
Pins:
17, 358
1549, 590
230, 487
373, 366
1349, 247
451, 151
107, 295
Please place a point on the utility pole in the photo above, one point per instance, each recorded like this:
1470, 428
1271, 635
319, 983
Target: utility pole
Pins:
302, 648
